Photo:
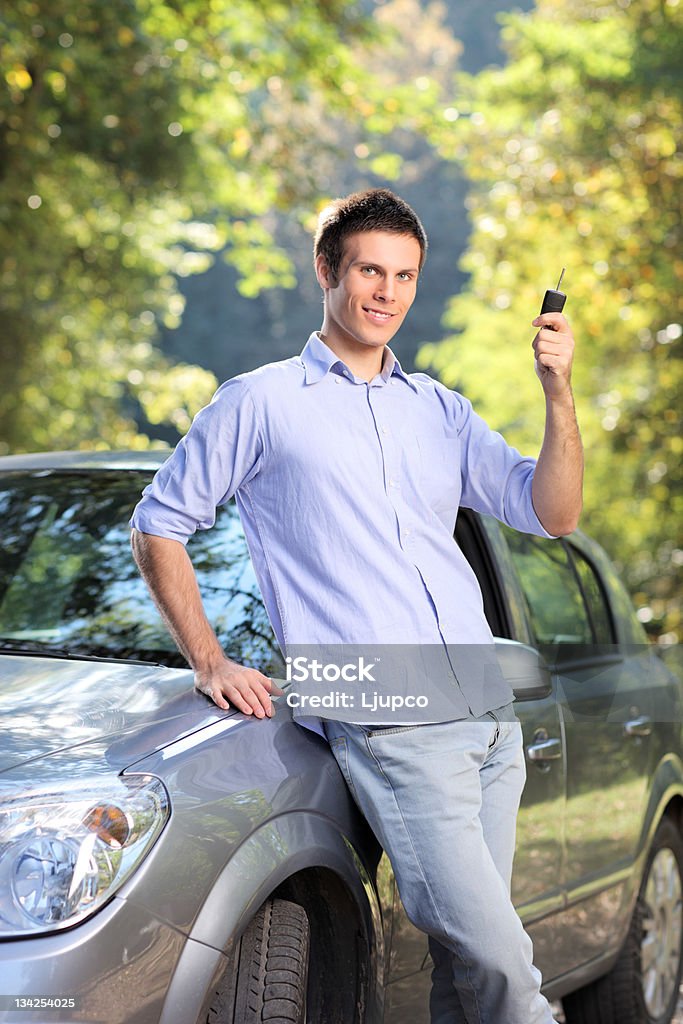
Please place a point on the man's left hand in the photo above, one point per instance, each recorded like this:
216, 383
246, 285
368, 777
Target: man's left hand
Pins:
554, 350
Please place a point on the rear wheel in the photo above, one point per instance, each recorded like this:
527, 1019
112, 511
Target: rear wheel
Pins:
642, 987
272, 970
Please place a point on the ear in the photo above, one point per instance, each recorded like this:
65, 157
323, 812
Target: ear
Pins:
322, 271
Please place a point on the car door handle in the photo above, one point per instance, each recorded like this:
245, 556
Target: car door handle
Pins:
640, 726
544, 750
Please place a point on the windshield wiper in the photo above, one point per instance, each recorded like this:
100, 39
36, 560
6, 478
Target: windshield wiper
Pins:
13, 645
10, 645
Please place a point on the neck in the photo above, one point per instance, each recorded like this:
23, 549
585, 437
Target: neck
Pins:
362, 360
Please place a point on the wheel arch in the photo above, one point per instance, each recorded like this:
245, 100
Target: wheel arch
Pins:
624, 993
665, 800
304, 858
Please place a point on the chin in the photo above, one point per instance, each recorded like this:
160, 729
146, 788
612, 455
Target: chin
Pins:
380, 336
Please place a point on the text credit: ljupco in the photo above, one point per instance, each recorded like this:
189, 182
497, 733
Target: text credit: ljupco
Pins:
305, 670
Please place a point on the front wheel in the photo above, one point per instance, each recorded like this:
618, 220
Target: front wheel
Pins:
642, 987
271, 970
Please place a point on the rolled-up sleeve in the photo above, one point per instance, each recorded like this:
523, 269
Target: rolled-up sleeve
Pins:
496, 479
221, 452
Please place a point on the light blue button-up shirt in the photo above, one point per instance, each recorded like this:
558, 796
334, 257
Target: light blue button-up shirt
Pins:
348, 492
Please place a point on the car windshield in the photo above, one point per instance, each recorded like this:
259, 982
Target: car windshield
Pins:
68, 581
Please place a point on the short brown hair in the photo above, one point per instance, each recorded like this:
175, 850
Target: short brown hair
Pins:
375, 209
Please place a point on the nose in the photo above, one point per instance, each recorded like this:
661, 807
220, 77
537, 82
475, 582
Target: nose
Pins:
384, 290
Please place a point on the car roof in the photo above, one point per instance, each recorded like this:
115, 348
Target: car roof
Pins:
76, 460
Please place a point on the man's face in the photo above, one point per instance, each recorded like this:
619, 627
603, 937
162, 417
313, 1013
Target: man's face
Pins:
374, 289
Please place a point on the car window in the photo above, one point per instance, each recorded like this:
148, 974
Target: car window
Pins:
627, 626
68, 580
467, 539
555, 604
517, 627
595, 598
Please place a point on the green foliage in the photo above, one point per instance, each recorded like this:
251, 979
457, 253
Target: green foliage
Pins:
574, 151
137, 139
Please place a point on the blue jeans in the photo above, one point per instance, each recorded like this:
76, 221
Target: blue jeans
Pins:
442, 800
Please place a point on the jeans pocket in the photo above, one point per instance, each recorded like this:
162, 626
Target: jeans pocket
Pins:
496, 732
392, 730
341, 755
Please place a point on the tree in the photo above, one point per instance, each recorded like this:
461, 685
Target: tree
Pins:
138, 138
574, 152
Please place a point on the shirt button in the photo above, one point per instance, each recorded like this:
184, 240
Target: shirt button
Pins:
337, 380
393, 482
385, 430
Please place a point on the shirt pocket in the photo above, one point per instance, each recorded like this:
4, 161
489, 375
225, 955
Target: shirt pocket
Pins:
438, 477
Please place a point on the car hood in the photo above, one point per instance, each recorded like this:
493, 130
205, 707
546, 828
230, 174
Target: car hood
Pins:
49, 707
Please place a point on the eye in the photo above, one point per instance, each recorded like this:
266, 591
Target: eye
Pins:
405, 276
368, 270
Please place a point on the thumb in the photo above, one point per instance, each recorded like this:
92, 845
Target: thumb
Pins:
274, 688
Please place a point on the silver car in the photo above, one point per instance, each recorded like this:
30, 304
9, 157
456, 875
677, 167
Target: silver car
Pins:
166, 862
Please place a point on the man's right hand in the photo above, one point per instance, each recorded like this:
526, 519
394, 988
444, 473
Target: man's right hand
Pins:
247, 689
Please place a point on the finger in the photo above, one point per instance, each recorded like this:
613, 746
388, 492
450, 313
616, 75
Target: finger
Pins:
542, 343
265, 687
262, 696
550, 337
272, 687
561, 358
275, 691
552, 362
243, 699
555, 321
214, 694
557, 337
254, 697
559, 348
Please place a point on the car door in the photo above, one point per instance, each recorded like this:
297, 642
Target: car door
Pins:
537, 889
605, 714
608, 710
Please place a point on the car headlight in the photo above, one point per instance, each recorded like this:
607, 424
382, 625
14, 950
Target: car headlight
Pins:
64, 854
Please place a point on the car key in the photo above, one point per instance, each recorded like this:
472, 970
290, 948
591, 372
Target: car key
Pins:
554, 299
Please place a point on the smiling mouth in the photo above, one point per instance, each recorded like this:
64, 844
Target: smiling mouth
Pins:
379, 315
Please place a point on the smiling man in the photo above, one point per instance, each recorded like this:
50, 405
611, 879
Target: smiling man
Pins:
369, 288
348, 474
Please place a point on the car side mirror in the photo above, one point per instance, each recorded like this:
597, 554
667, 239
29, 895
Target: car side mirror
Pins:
525, 670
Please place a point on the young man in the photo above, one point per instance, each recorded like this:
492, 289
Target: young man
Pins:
348, 474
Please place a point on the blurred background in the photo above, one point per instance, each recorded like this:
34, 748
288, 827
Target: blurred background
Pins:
162, 164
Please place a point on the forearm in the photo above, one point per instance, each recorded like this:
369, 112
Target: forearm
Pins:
168, 572
557, 486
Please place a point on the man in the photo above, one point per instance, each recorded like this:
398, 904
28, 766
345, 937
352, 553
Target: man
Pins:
348, 474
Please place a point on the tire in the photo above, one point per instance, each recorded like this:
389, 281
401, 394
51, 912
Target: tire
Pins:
271, 976
642, 987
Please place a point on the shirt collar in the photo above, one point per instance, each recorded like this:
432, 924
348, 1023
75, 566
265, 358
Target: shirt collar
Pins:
318, 360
